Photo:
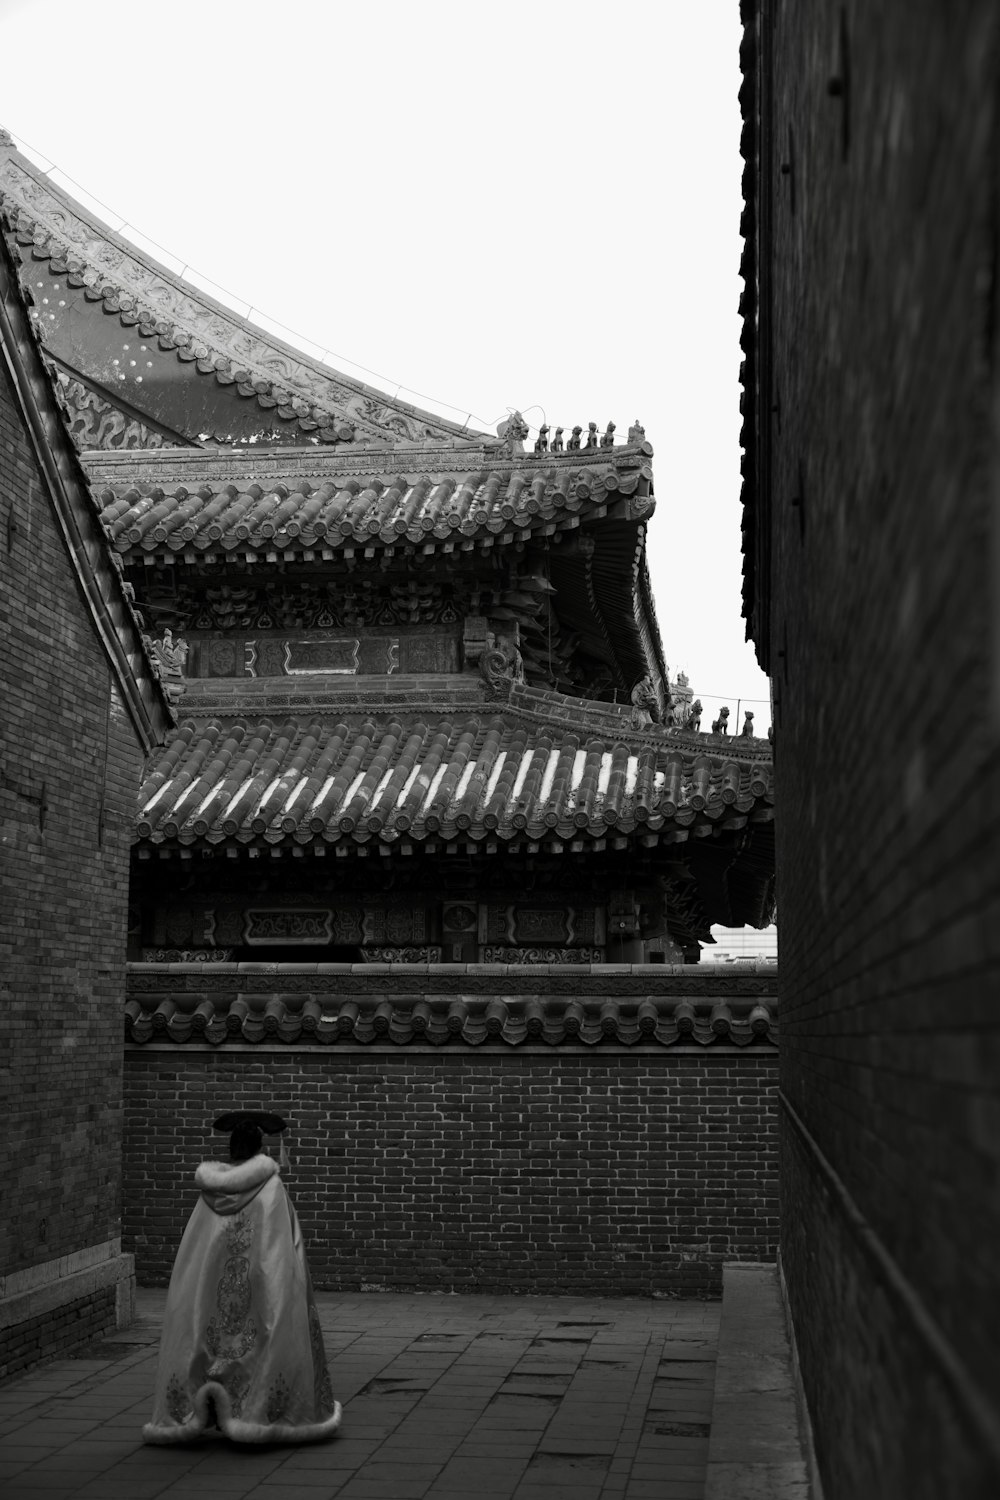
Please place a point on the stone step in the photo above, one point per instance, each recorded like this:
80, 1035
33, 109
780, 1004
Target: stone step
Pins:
756, 1449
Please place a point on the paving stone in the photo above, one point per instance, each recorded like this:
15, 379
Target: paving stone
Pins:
490, 1417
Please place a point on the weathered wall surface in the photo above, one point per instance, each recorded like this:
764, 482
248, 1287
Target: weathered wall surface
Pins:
70, 768
469, 1131
883, 400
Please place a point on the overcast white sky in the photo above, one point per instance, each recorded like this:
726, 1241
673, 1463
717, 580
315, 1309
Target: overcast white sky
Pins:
490, 206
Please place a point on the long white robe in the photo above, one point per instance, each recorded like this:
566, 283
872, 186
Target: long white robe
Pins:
242, 1344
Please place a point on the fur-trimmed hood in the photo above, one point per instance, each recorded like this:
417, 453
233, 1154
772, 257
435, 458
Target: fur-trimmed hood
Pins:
228, 1186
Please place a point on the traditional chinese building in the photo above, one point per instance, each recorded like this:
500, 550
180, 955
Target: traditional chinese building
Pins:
423, 708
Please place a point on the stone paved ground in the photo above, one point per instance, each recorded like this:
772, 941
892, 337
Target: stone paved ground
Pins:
448, 1398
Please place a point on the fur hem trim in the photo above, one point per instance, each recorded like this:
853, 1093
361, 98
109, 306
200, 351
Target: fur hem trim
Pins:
234, 1428
235, 1176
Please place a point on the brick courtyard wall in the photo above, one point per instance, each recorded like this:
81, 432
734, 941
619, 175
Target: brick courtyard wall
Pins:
70, 768
492, 1131
885, 590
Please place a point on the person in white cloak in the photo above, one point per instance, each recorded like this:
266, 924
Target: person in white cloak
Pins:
242, 1348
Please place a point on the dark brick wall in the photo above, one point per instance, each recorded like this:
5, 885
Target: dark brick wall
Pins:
57, 1334
552, 1170
883, 401
69, 773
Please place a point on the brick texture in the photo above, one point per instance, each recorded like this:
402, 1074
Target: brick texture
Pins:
477, 1170
884, 644
70, 769
57, 1335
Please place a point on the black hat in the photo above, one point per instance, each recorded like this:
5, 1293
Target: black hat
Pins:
267, 1123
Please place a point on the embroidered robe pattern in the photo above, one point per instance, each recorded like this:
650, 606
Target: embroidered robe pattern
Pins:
242, 1343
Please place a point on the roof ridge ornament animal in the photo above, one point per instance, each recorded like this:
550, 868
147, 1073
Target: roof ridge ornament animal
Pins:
513, 432
501, 665
645, 704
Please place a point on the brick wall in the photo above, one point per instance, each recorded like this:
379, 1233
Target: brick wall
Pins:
475, 1166
69, 772
54, 1335
882, 404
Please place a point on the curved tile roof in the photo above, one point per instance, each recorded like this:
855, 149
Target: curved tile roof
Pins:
467, 775
304, 504
204, 334
442, 1020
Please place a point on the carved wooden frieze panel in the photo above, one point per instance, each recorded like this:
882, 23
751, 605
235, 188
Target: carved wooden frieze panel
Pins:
459, 925
425, 954
395, 924
542, 923
371, 653
231, 924
187, 955
491, 955
301, 604
290, 926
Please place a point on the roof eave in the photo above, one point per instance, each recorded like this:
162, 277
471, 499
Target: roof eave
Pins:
87, 547
755, 403
56, 211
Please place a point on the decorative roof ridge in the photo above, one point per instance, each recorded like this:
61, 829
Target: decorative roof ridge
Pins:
109, 599
240, 699
660, 976
432, 456
549, 706
734, 746
471, 1020
137, 287
208, 698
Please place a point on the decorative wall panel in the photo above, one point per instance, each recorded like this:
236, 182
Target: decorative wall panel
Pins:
375, 651
566, 926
